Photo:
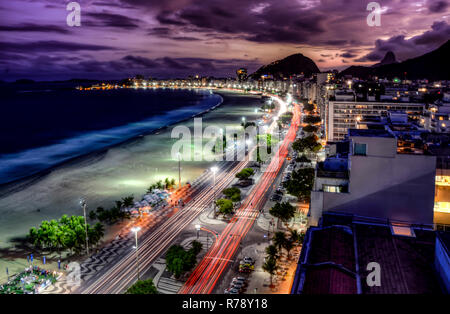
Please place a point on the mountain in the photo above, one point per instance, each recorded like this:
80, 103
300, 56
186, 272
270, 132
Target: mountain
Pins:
389, 58
294, 64
434, 65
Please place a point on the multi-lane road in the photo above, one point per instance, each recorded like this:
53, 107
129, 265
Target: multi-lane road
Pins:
207, 273
121, 273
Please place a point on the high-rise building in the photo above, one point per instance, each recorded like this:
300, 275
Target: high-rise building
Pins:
242, 74
343, 115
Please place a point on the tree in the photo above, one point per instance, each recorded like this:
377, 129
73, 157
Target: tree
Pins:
245, 173
308, 107
225, 206
278, 239
283, 211
312, 119
294, 236
270, 266
179, 260
67, 233
310, 128
307, 143
303, 158
143, 287
174, 260
128, 201
301, 183
92, 215
272, 251
233, 193
288, 244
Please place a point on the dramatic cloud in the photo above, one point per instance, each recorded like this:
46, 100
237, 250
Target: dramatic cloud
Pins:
105, 19
30, 27
50, 46
182, 37
409, 48
437, 6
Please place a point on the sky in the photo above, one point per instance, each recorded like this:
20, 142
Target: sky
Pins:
176, 38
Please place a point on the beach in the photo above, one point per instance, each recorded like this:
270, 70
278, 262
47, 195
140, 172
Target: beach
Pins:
105, 176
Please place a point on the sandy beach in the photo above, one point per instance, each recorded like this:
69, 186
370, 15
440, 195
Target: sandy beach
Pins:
103, 177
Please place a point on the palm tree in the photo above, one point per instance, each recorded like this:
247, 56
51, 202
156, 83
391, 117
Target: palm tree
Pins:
270, 266
288, 244
128, 201
278, 239
294, 236
272, 251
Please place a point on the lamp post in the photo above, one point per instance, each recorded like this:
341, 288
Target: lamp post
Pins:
83, 204
198, 227
136, 230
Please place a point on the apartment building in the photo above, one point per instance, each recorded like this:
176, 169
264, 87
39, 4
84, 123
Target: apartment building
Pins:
343, 115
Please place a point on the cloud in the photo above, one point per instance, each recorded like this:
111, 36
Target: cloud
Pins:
104, 19
30, 27
437, 6
405, 48
50, 46
347, 55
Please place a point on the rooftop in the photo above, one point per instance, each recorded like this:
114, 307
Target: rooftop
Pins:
335, 256
369, 133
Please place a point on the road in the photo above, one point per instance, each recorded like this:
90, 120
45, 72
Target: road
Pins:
152, 243
209, 270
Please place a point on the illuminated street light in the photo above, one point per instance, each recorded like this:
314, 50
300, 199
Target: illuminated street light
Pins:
83, 204
136, 230
198, 227
214, 170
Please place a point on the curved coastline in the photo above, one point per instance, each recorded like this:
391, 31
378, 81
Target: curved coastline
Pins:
96, 155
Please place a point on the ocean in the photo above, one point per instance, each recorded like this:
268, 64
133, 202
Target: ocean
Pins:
104, 175
42, 125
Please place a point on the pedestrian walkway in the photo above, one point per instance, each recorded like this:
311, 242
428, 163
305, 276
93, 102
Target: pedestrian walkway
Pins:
123, 242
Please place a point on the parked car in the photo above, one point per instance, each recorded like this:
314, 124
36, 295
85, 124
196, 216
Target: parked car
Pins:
279, 192
231, 291
276, 198
237, 285
239, 279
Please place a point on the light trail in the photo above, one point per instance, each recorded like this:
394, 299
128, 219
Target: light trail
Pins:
205, 276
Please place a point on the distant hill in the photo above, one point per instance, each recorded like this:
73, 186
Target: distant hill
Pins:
294, 64
434, 65
389, 58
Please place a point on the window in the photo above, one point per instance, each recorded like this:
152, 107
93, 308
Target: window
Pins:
360, 149
335, 188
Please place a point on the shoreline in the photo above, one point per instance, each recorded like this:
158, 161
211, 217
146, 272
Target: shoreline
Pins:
15, 260
22, 183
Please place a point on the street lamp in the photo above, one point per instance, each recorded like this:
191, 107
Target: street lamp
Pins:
136, 230
214, 170
198, 227
83, 204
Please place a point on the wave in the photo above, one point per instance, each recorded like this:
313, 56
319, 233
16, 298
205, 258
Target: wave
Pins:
15, 166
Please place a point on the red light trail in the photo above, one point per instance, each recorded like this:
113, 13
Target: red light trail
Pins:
205, 276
